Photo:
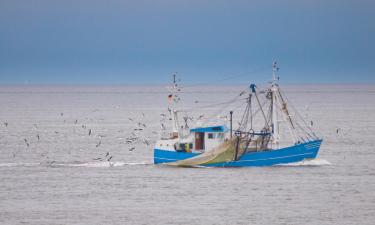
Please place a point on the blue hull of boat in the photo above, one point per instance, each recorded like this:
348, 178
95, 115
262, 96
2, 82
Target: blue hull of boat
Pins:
296, 153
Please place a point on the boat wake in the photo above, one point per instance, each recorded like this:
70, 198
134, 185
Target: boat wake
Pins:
75, 164
309, 162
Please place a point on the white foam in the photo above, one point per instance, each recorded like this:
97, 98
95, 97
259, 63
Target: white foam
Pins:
309, 162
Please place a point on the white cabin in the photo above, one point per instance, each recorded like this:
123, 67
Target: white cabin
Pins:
199, 140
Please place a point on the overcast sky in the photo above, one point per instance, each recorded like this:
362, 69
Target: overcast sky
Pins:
139, 42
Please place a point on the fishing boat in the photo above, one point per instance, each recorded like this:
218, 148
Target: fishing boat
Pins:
270, 132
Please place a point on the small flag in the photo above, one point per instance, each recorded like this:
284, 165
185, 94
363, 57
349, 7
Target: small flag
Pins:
170, 98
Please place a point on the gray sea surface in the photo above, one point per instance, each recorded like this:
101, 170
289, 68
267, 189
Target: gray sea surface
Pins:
55, 165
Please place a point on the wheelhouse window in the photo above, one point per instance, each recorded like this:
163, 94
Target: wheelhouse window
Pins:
211, 136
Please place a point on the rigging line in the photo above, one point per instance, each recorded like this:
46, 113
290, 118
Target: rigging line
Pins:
255, 71
304, 133
285, 108
210, 105
264, 116
269, 113
245, 115
258, 110
304, 122
226, 103
218, 112
251, 113
221, 103
292, 134
236, 98
239, 106
225, 106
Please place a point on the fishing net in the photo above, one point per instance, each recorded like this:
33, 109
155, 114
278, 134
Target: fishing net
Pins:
228, 151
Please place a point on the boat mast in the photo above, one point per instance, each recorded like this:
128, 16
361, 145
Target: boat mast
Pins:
173, 99
275, 121
278, 101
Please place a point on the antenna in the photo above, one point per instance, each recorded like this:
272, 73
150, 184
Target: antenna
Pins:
275, 69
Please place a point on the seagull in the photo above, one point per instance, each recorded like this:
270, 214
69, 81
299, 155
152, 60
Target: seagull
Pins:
61, 114
107, 154
97, 145
38, 137
130, 119
141, 124
129, 141
201, 116
6, 124
25, 140
98, 158
131, 149
109, 159
75, 121
337, 130
89, 132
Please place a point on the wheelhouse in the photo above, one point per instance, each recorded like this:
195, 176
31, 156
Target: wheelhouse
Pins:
208, 137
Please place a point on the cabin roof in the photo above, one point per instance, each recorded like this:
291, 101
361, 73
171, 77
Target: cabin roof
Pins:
209, 129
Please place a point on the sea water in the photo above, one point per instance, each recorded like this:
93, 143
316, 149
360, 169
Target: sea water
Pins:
54, 170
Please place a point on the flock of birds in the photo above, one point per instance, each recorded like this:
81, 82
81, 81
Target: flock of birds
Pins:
135, 138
